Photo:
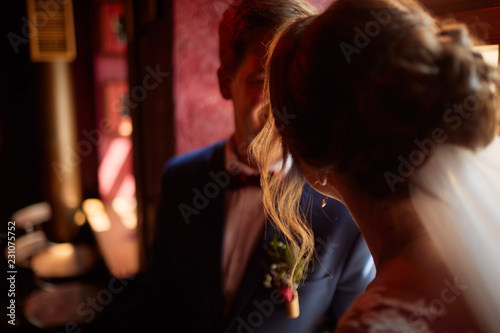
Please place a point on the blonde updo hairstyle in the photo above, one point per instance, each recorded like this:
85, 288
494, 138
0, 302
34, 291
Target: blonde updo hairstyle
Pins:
352, 90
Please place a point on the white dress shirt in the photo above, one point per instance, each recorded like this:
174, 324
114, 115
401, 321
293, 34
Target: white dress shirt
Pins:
243, 227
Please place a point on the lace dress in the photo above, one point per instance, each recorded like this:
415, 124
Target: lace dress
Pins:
376, 312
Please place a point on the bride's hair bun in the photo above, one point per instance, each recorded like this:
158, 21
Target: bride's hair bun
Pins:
373, 102
468, 89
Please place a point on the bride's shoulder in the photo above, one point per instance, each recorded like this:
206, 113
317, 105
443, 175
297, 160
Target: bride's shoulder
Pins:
388, 308
380, 310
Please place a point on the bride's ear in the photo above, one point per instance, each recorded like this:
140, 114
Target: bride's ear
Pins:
322, 179
327, 183
318, 178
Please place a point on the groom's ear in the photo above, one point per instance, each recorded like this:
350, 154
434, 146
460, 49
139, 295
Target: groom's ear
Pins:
224, 83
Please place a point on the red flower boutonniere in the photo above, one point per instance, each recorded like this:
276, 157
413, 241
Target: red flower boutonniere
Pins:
279, 273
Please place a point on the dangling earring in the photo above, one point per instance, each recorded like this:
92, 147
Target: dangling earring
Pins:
323, 201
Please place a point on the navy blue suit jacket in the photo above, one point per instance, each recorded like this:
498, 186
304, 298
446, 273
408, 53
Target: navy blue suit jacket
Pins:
187, 284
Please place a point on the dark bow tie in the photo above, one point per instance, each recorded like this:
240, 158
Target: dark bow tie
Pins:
241, 180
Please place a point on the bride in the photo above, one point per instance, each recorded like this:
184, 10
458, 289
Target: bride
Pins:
393, 113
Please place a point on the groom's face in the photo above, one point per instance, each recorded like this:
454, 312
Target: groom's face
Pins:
245, 90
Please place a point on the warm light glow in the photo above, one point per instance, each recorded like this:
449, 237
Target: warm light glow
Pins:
63, 260
126, 209
113, 161
55, 259
68, 195
490, 53
125, 127
126, 189
62, 250
96, 215
79, 218
92, 204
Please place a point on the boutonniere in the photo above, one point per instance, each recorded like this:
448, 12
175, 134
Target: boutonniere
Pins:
279, 273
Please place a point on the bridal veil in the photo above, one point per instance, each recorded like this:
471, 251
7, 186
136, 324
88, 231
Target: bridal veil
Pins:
457, 196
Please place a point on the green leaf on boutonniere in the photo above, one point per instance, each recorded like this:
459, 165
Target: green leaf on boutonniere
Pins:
281, 258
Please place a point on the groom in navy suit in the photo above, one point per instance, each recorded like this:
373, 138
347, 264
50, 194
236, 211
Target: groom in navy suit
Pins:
211, 229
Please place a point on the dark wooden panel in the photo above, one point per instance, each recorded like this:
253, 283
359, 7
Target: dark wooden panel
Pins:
452, 6
149, 34
83, 72
484, 23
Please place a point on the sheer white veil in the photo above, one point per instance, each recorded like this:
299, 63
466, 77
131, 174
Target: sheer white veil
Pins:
457, 196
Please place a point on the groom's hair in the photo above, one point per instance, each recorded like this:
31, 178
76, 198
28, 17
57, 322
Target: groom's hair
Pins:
245, 20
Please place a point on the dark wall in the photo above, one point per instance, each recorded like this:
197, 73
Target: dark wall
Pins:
24, 168
20, 142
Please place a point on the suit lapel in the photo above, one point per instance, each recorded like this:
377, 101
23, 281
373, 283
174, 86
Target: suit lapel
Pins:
211, 232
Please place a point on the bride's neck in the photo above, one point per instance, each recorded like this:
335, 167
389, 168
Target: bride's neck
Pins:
390, 229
